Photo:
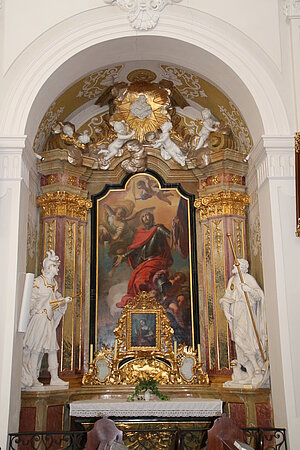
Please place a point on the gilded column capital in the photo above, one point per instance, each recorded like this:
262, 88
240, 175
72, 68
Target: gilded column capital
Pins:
297, 142
225, 203
64, 204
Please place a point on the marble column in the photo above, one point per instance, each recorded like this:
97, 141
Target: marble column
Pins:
64, 220
219, 214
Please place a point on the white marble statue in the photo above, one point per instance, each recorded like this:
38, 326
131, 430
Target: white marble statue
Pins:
209, 125
84, 138
46, 310
68, 129
137, 161
115, 147
141, 108
248, 367
168, 148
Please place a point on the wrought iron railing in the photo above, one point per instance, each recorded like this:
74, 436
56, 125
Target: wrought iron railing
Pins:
266, 438
171, 438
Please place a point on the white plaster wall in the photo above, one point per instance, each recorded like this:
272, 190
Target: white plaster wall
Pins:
256, 29
14, 197
26, 21
274, 161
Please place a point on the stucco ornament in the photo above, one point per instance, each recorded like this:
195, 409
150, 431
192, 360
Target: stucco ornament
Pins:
140, 108
208, 125
137, 162
46, 310
248, 368
115, 147
167, 146
143, 14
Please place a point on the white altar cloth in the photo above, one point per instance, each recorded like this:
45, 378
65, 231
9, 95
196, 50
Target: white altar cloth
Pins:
176, 407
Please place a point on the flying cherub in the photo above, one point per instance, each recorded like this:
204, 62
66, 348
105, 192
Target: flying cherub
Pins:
149, 188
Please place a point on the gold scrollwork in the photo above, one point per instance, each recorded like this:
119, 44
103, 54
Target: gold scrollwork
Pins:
225, 203
126, 364
64, 204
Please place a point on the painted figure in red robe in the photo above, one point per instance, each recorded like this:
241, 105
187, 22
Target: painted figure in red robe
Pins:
148, 253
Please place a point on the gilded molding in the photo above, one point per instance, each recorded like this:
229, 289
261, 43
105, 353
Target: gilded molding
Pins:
297, 142
225, 203
64, 204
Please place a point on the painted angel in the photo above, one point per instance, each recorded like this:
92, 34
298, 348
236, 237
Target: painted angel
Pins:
149, 188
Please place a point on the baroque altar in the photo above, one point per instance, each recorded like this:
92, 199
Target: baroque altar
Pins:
147, 149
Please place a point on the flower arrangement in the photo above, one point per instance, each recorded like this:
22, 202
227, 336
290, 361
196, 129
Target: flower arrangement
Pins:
147, 384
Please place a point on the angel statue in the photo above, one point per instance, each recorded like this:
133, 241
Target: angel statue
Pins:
137, 160
46, 310
115, 147
168, 148
209, 125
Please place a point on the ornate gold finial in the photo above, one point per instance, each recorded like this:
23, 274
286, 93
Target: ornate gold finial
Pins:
141, 75
297, 142
225, 203
64, 204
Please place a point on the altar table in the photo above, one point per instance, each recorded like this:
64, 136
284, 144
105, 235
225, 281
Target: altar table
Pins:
174, 408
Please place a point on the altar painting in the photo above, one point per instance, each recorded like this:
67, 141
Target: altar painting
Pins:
143, 243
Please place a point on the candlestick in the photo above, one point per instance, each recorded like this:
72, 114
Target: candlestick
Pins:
175, 349
91, 353
199, 354
116, 349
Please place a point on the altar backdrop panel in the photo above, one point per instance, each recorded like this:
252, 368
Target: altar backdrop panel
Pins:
142, 240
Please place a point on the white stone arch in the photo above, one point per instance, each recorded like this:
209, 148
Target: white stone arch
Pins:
64, 53
34, 72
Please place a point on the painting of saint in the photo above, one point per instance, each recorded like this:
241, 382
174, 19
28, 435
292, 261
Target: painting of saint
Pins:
143, 244
143, 330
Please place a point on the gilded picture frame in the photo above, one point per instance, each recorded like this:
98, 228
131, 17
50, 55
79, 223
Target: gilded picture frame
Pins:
117, 227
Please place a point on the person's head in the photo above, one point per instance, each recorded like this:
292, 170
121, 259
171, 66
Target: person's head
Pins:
147, 219
119, 127
51, 264
120, 213
181, 300
179, 277
244, 266
142, 322
206, 113
68, 129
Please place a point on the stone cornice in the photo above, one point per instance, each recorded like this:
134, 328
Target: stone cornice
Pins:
273, 158
292, 9
17, 158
